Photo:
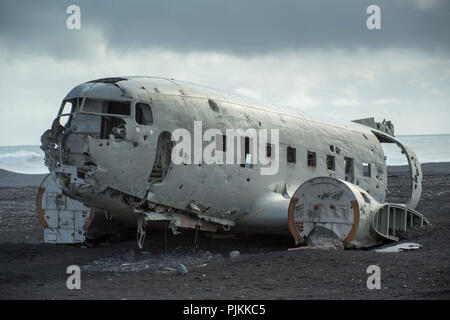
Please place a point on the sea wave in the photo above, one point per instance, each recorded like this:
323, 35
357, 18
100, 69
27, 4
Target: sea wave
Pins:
26, 159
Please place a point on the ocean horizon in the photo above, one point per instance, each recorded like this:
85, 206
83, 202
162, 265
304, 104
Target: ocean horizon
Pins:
428, 148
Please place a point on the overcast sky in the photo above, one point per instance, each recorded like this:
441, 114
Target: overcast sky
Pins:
317, 56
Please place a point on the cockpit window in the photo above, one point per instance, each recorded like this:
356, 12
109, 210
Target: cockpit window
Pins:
108, 107
116, 107
144, 114
68, 107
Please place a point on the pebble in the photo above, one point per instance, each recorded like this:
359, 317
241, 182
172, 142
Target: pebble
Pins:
234, 254
181, 269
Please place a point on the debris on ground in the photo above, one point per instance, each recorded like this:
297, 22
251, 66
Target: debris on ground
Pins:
132, 261
400, 247
324, 245
181, 269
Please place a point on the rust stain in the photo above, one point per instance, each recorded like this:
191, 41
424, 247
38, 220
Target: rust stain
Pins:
40, 215
291, 222
89, 220
352, 232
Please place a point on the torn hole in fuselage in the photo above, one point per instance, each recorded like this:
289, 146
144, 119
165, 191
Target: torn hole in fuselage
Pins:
163, 158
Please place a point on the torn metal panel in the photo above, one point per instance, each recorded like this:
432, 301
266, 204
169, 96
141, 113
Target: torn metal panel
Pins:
407, 246
65, 220
121, 166
415, 168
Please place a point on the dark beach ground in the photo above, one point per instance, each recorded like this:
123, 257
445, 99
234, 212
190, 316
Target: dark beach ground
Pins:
265, 269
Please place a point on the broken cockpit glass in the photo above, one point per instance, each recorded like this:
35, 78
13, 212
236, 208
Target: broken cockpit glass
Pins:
112, 113
68, 107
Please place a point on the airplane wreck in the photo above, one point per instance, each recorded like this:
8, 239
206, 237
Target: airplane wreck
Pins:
110, 156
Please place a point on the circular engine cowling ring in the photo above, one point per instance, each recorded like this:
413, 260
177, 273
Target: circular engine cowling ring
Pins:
328, 210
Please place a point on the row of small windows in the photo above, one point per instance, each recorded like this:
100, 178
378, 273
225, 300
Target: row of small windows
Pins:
311, 158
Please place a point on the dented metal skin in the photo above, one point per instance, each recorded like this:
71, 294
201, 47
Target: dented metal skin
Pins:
122, 165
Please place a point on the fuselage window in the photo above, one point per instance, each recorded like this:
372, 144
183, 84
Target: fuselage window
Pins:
291, 155
213, 105
269, 151
224, 143
247, 155
221, 142
349, 169
311, 159
144, 114
366, 169
331, 165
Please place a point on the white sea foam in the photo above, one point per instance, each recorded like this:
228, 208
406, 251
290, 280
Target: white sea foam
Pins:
22, 159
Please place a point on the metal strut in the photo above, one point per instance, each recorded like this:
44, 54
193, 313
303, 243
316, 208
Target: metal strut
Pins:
141, 224
108, 217
197, 227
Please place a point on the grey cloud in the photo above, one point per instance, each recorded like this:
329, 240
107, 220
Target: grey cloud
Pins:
252, 27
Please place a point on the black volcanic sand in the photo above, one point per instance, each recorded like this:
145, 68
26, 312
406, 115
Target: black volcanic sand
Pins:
264, 269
